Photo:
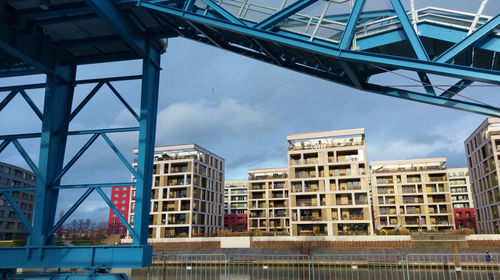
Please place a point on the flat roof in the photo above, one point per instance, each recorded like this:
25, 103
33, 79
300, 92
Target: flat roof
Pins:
180, 147
408, 161
325, 134
268, 170
482, 126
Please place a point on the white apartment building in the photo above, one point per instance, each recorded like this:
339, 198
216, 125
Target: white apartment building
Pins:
235, 197
329, 192
460, 191
268, 193
187, 192
412, 194
482, 148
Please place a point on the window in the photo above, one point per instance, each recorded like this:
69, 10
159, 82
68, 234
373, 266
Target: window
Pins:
124, 201
122, 208
124, 195
116, 195
117, 189
113, 222
124, 188
467, 214
115, 201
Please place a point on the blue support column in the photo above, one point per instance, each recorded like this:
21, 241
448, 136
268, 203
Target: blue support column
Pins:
147, 132
57, 110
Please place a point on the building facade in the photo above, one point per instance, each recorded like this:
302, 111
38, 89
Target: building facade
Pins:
187, 192
10, 225
461, 195
329, 192
412, 194
482, 148
461, 198
268, 200
236, 205
120, 197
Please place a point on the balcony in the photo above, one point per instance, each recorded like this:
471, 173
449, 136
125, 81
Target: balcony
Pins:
306, 203
310, 218
268, 177
343, 202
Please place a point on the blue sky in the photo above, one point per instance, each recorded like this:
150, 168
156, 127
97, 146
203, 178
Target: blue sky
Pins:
242, 110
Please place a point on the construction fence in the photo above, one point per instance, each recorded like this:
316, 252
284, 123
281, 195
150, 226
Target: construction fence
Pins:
319, 267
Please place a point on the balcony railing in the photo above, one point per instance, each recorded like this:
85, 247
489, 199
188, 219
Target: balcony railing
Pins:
340, 202
310, 218
306, 203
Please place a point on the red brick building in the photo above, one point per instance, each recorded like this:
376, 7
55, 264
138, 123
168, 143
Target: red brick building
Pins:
120, 196
236, 222
464, 218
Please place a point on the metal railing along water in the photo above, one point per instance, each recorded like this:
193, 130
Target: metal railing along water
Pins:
318, 267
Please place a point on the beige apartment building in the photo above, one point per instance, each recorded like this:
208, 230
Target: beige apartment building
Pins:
268, 199
329, 192
460, 191
187, 192
412, 194
482, 148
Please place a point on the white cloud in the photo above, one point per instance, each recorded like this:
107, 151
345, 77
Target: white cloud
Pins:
434, 138
204, 122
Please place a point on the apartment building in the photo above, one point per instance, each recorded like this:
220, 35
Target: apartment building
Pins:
120, 197
482, 148
268, 195
412, 194
236, 205
461, 198
13, 176
329, 192
187, 192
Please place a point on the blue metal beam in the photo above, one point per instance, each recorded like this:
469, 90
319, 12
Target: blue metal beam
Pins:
434, 100
189, 5
426, 82
415, 42
73, 160
57, 109
26, 157
20, 214
119, 154
70, 211
8, 98
31, 104
352, 74
93, 186
148, 115
122, 100
76, 256
108, 11
456, 88
332, 50
32, 49
350, 28
284, 13
469, 40
115, 210
85, 100
221, 11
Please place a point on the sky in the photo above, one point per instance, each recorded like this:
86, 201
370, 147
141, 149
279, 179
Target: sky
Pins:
242, 109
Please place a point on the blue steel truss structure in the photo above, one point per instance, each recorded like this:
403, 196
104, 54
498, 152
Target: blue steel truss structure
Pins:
54, 37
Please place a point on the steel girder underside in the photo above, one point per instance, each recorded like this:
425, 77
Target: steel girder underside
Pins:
347, 49
347, 53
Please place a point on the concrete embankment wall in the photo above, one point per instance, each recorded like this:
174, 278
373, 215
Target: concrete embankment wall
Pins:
416, 241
